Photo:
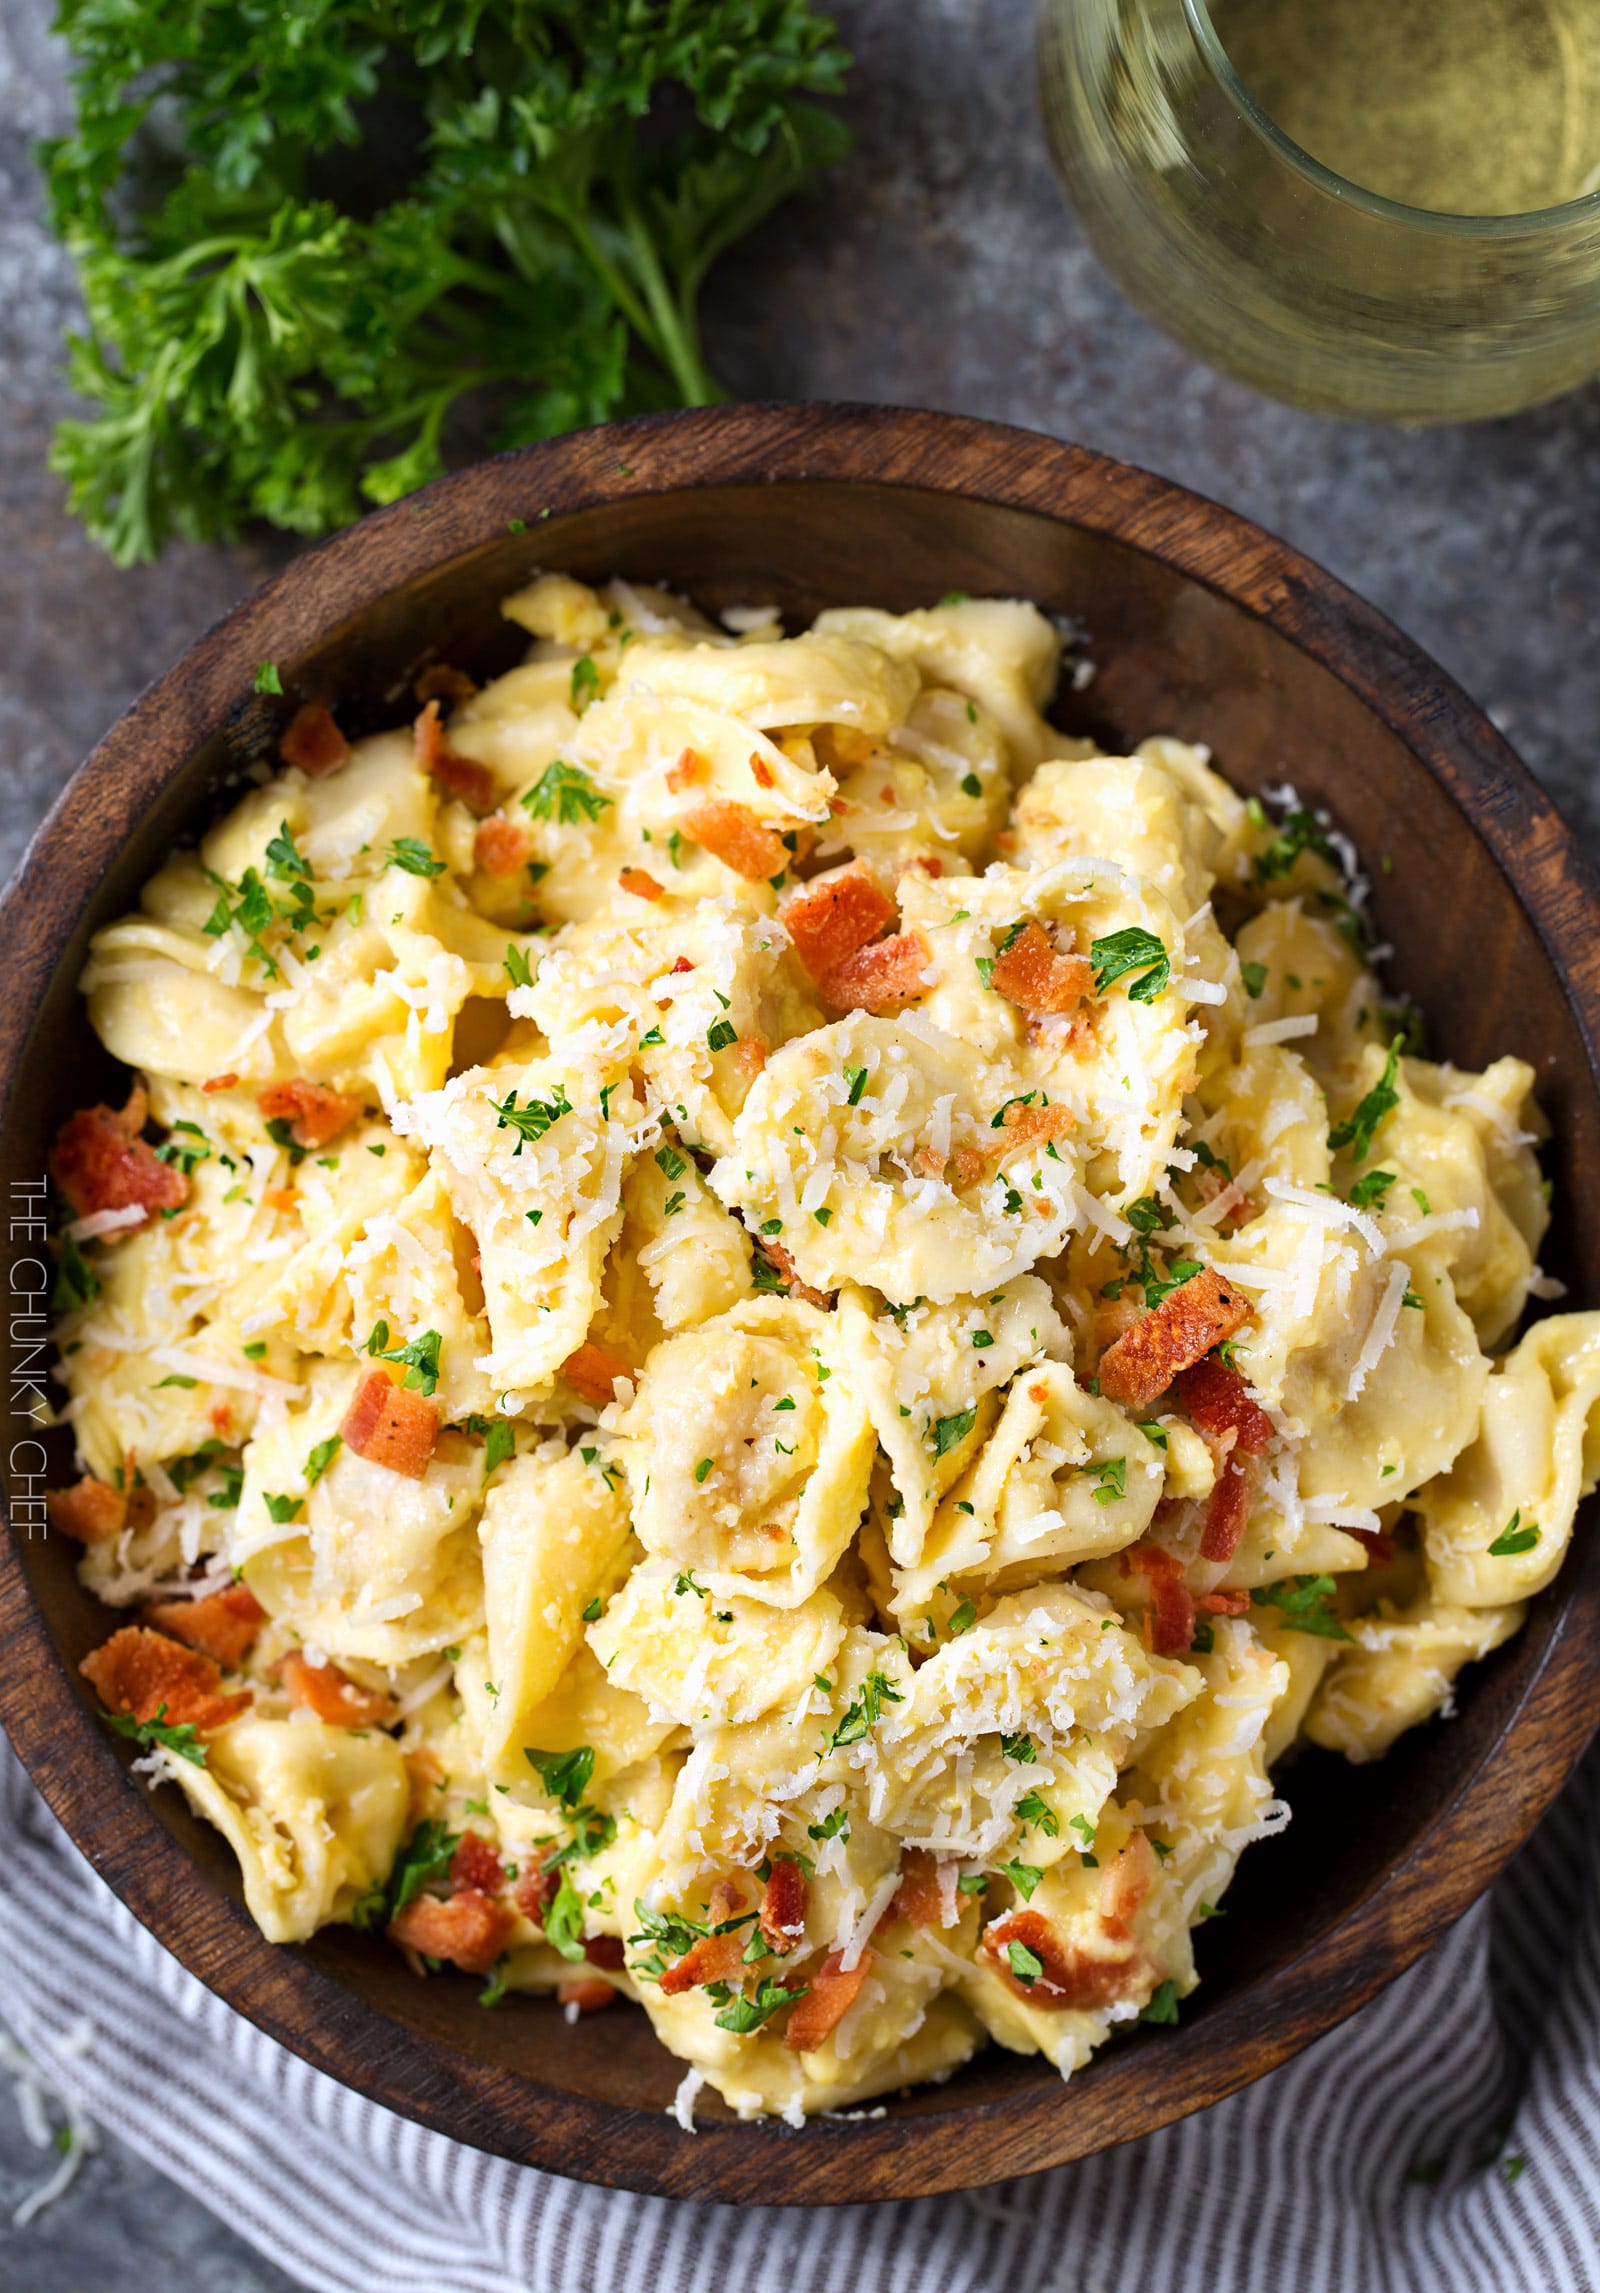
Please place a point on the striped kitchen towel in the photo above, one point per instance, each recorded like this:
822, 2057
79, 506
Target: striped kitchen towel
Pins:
1445, 2140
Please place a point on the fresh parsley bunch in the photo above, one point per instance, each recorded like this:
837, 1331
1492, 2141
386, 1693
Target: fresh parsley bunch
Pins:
306, 228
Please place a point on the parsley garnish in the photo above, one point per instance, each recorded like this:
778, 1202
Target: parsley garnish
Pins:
282, 1509
1300, 832
565, 792
267, 679
1026, 1965
565, 1775
1163, 2003
321, 1457
1305, 1604
1356, 1132
1368, 1193
1024, 1877
950, 1432
1254, 976
669, 1164
721, 1034
584, 684
1131, 950
182, 1739
421, 1357
1020, 1748
415, 857
531, 1121
856, 1077
517, 967
743, 2014
863, 1712
1031, 1810
1514, 1538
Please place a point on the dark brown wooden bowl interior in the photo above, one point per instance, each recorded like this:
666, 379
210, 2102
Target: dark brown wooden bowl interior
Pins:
1200, 625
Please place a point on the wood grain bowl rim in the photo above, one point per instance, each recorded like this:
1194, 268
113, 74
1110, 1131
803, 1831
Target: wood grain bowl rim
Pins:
1132, 2090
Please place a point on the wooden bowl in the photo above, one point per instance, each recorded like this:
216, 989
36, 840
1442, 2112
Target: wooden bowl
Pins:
1201, 626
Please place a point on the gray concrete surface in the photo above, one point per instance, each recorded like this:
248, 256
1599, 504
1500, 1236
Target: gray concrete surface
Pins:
943, 270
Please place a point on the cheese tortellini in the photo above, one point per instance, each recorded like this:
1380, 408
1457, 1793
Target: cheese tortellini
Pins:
759, 1335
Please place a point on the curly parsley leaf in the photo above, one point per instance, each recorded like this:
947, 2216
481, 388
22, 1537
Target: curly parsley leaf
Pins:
1515, 1538
564, 792
183, 1739
1123, 953
565, 1775
308, 237
1355, 1134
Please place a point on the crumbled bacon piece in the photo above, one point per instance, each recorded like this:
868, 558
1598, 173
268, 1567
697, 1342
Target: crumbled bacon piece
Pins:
1020, 1127
534, 1893
1169, 1606
1380, 1546
315, 1114
90, 1510
779, 1260
604, 1951
144, 1673
640, 883
333, 1695
1217, 1400
457, 775
732, 834
919, 1899
1072, 1977
880, 977
469, 1929
100, 1162
831, 922
439, 682
501, 846
390, 1426
219, 1082
783, 1906
832, 1990
712, 1958
313, 741
680, 963
224, 1623
475, 1868
1221, 1603
761, 772
690, 767
1171, 1337
280, 1198
1228, 1508
587, 1993
1030, 974
593, 1371
750, 1055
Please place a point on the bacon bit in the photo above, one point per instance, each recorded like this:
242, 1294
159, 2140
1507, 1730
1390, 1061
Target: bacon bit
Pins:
829, 923
919, 1899
1072, 1977
426, 1778
1380, 1546
1224, 1603
475, 1868
1169, 1607
680, 963
780, 1261
314, 742
219, 1082
732, 834
783, 1906
1019, 1127
333, 1695
314, 1113
604, 1951
929, 1164
501, 846
389, 1426
1228, 1509
1125, 1883
470, 1930
750, 1055
838, 806
690, 767
139, 1671
457, 775
761, 772
886, 794
593, 1371
534, 1893
1217, 1399
100, 1162
833, 1990
224, 1624
713, 1958
1171, 1337
439, 682
588, 1994
641, 884
880, 977
280, 1198
90, 1510
927, 864
1034, 977
220, 1415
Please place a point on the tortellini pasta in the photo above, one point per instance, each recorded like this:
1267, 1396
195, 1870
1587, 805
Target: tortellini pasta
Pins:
759, 1334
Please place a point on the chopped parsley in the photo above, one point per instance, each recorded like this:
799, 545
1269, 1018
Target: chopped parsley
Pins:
267, 679
1032, 1811
530, 1122
565, 1775
863, 1712
1355, 1134
856, 1077
1300, 832
1515, 1538
1254, 976
321, 1457
744, 2013
1368, 1193
1133, 950
183, 1739
1305, 1603
421, 1358
517, 967
415, 857
584, 684
565, 793
1024, 1877
721, 1034
1163, 2003
1020, 1748
1111, 1475
950, 1432
1026, 1965
282, 1509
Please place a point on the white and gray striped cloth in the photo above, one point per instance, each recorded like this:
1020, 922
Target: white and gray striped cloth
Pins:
1446, 2140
